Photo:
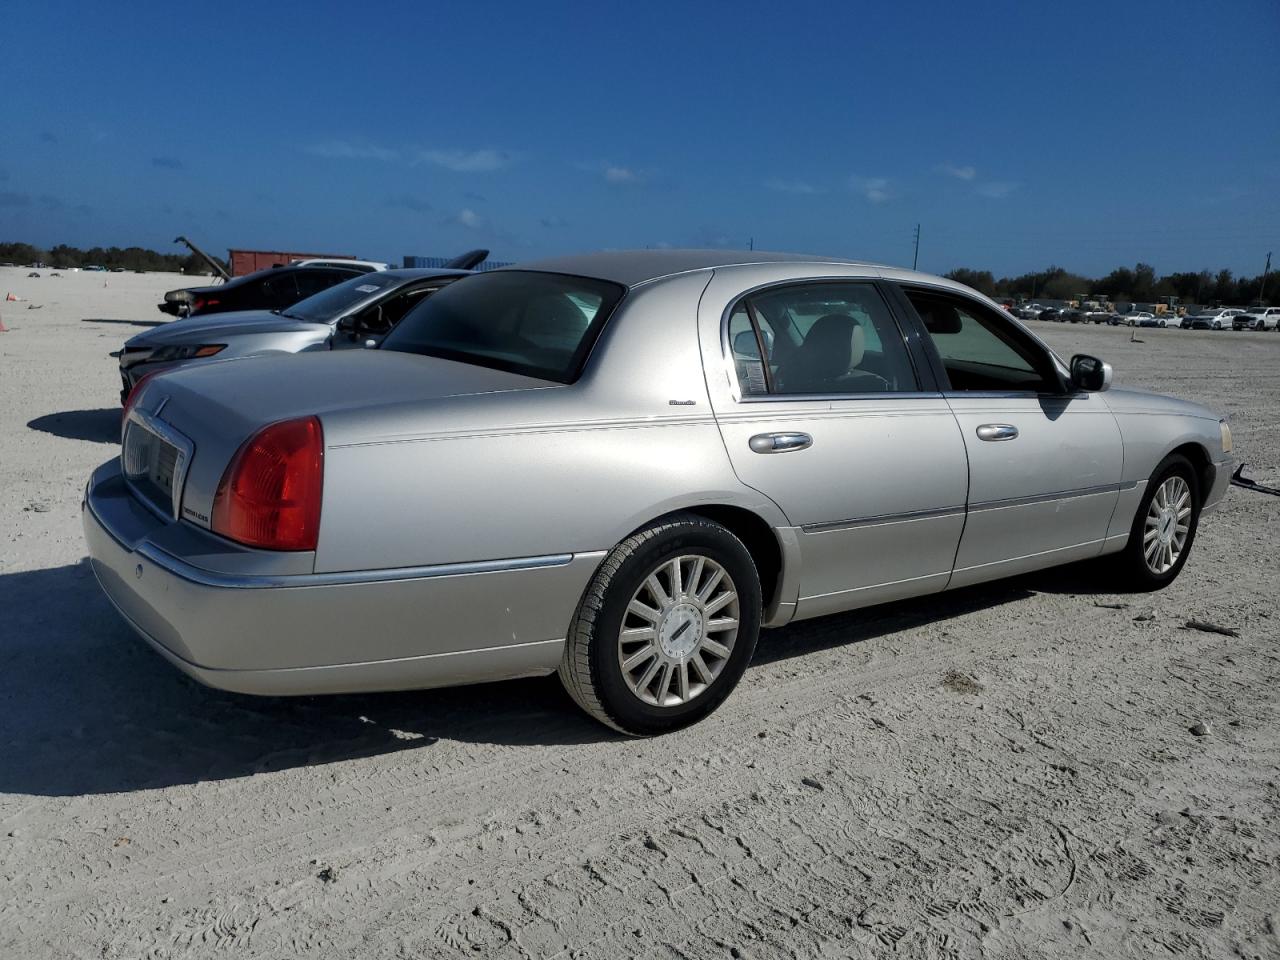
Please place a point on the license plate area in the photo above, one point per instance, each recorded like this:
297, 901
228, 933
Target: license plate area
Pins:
154, 458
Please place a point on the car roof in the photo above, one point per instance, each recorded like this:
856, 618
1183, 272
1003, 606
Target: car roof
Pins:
632, 267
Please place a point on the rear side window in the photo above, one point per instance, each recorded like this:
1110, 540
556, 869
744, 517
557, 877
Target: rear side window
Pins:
818, 338
537, 324
311, 280
278, 290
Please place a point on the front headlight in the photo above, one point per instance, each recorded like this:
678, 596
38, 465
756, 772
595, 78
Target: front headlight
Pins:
1226, 435
192, 352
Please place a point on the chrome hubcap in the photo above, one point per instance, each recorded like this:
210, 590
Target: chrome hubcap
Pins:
679, 630
1168, 522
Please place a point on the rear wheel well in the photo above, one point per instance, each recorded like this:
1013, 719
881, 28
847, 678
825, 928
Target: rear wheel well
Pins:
756, 535
1200, 461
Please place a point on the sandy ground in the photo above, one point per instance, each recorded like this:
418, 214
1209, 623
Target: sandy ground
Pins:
1006, 771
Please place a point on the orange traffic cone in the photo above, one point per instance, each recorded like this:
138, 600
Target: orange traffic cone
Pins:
9, 296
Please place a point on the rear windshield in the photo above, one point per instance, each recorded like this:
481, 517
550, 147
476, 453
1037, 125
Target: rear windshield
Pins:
333, 302
537, 324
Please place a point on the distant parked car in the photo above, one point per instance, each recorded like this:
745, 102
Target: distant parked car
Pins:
1074, 316
1101, 316
1053, 315
358, 312
1134, 318
1157, 320
1215, 319
272, 289
1258, 318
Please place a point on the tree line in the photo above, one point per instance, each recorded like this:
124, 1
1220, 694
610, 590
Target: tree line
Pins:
130, 258
1138, 284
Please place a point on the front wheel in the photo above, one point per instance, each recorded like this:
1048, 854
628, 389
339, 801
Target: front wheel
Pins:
1163, 529
665, 629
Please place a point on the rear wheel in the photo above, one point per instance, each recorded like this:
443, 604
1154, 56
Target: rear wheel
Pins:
1164, 527
665, 629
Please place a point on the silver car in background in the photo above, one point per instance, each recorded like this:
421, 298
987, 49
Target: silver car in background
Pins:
620, 467
351, 313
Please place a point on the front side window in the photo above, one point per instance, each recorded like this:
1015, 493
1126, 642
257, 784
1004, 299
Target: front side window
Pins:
818, 338
537, 324
980, 349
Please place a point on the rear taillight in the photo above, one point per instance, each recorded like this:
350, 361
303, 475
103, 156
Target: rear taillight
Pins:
202, 302
135, 393
269, 496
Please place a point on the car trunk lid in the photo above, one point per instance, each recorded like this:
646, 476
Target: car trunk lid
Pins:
217, 406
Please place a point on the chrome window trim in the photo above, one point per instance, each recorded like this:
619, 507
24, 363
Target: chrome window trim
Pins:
1012, 395
184, 446
837, 397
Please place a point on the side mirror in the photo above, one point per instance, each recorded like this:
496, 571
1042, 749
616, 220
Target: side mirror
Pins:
1090, 373
347, 325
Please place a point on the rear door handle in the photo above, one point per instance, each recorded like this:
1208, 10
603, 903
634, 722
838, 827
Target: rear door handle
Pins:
780, 442
997, 431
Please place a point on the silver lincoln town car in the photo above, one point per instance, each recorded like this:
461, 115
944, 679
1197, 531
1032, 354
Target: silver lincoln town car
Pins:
620, 467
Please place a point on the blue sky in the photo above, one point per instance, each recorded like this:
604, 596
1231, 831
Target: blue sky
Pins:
1019, 135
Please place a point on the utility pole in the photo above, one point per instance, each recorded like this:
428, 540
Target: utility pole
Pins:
1265, 271
751, 244
916, 259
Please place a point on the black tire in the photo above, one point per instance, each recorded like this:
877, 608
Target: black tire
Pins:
590, 668
1129, 567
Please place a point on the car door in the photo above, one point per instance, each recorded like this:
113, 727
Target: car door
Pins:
1044, 460
825, 409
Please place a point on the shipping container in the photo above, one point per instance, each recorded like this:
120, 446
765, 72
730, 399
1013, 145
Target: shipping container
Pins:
249, 261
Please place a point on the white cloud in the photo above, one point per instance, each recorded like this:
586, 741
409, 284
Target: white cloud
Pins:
997, 189
347, 150
614, 174
874, 189
791, 186
465, 161
466, 217
960, 173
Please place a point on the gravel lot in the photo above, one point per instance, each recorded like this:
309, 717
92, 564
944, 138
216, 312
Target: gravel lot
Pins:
1006, 771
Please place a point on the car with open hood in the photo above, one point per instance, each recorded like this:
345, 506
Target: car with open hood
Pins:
619, 467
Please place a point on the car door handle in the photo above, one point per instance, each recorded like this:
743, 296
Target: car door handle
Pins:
780, 442
997, 431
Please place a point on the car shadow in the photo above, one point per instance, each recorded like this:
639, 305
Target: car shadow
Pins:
96, 426
126, 323
87, 708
